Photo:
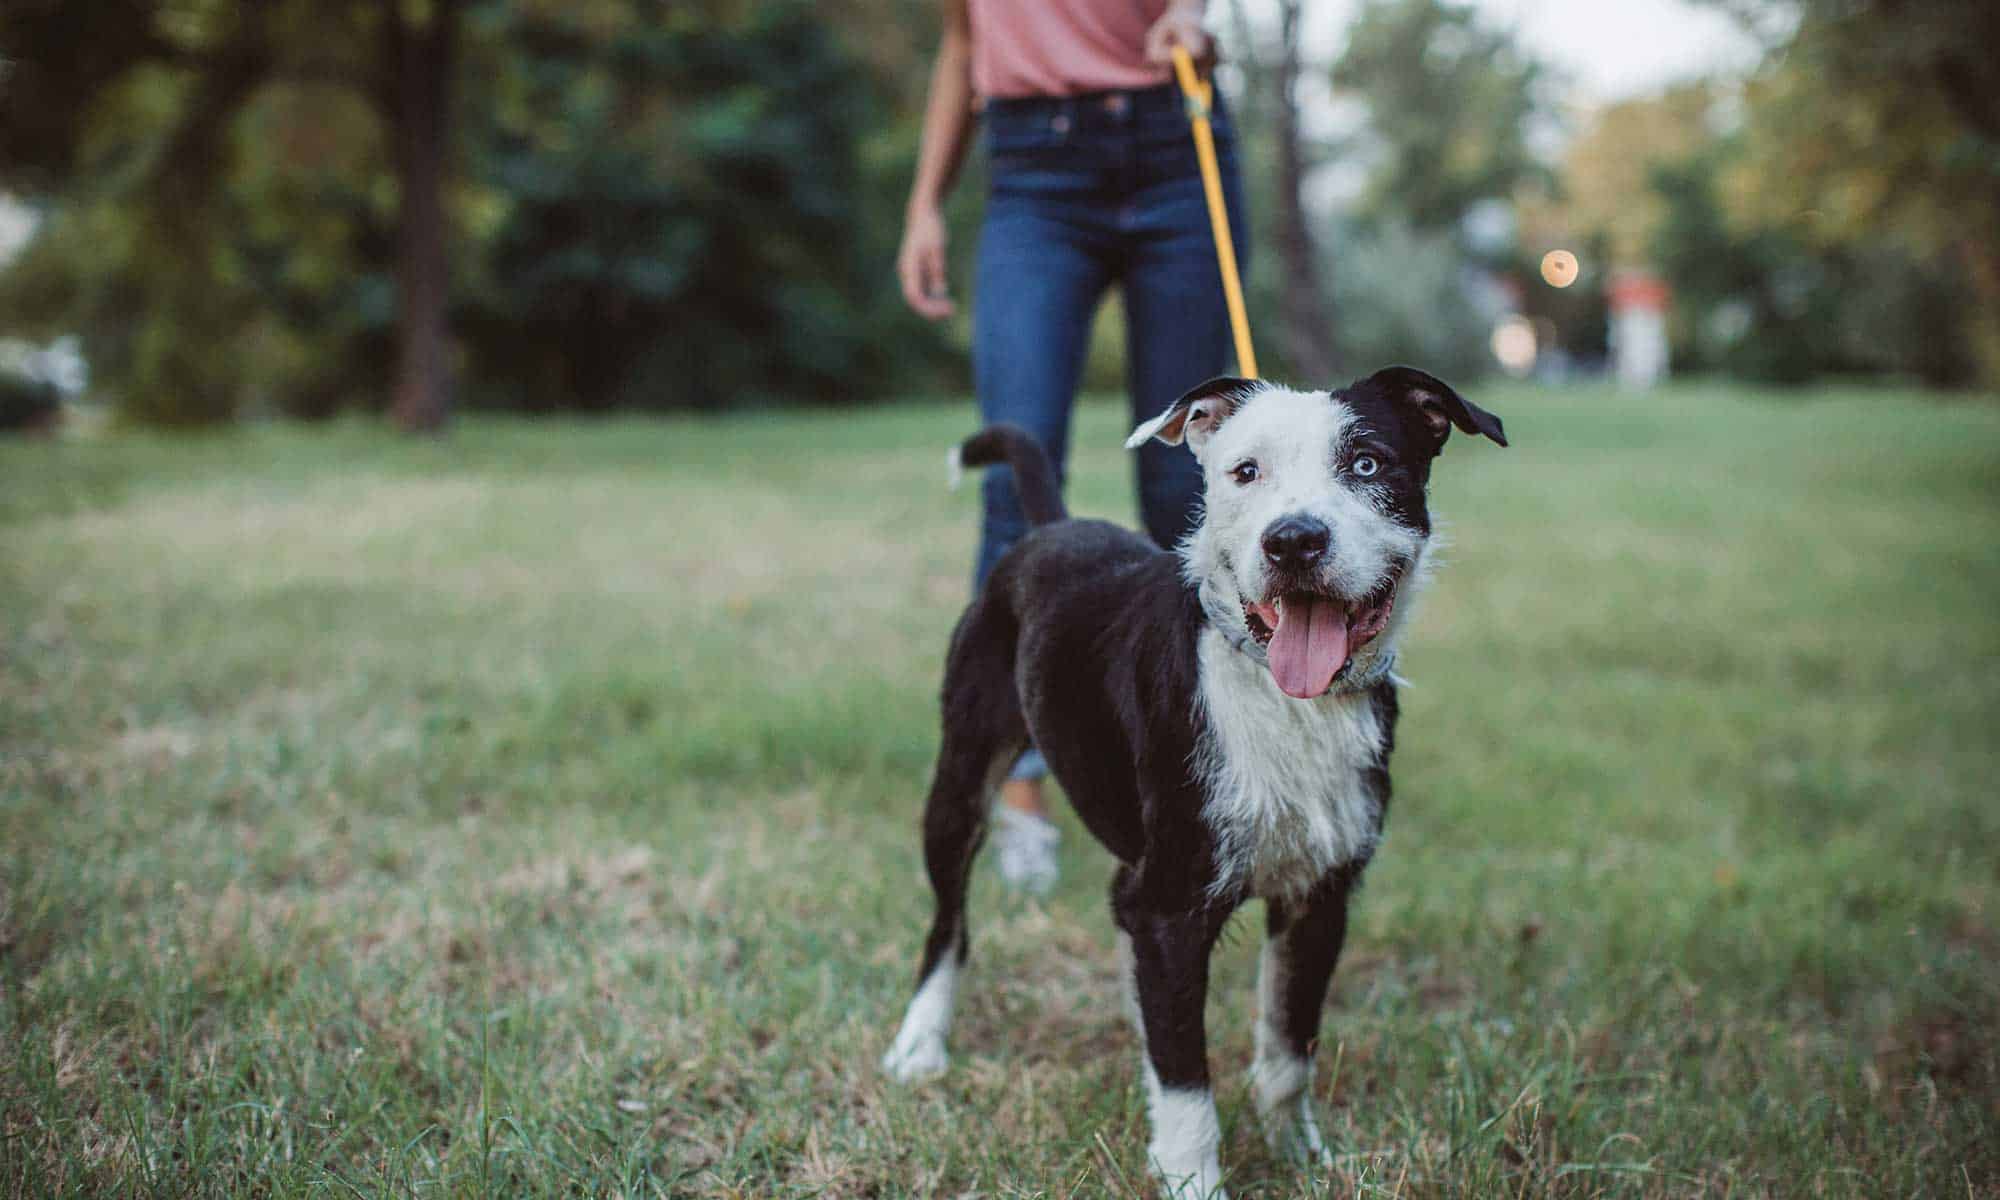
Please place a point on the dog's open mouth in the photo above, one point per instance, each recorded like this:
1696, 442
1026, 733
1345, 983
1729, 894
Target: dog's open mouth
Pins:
1309, 637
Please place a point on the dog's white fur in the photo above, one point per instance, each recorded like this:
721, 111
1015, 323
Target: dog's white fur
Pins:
918, 1053
1280, 1081
1286, 796
1187, 1141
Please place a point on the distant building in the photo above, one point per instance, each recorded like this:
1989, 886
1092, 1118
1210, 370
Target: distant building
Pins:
1638, 302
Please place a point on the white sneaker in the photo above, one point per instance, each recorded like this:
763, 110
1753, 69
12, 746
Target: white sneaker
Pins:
1027, 845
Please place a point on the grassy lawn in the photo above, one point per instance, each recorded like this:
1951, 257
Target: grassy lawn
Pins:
535, 813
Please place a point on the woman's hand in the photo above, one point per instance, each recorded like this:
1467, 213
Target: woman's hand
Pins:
1180, 25
920, 264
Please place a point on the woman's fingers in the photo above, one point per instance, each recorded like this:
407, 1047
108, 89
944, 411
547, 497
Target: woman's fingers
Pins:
1178, 28
937, 291
921, 270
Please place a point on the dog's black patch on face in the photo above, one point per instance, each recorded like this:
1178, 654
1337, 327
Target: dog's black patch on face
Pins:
1396, 436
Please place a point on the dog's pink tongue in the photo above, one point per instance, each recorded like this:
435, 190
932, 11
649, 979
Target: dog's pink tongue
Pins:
1309, 647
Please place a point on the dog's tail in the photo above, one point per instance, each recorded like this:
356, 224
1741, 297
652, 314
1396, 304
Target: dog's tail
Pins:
1034, 475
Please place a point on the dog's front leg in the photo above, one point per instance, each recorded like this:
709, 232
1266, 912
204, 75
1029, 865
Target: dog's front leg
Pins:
1301, 946
1169, 957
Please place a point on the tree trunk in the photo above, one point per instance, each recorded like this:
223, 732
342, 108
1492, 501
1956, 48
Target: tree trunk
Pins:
421, 58
1308, 317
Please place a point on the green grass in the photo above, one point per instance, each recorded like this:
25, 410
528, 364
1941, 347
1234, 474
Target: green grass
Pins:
535, 812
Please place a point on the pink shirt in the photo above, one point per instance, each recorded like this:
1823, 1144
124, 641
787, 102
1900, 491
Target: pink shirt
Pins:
1062, 47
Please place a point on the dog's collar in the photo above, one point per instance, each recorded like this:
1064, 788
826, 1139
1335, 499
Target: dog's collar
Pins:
1382, 668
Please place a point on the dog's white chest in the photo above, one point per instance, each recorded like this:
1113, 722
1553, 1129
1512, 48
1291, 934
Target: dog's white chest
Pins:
1288, 797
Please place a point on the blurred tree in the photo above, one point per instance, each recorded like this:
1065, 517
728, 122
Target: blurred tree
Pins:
1875, 126
1679, 183
187, 243
1602, 206
1746, 302
687, 216
419, 60
1604, 186
1761, 300
662, 204
1407, 295
1299, 269
1450, 104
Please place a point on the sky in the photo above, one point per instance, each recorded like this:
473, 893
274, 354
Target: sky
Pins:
1604, 50
1619, 48
1610, 49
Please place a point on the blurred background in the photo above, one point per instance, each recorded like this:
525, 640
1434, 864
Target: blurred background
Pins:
215, 210
530, 811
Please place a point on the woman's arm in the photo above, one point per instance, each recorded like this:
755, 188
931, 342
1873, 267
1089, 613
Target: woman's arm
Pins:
920, 264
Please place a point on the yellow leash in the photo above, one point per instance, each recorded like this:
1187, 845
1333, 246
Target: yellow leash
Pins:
1200, 94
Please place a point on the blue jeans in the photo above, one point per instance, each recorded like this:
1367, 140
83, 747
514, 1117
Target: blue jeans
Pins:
1087, 191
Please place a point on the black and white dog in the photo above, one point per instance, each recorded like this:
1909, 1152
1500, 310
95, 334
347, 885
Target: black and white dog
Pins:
1221, 718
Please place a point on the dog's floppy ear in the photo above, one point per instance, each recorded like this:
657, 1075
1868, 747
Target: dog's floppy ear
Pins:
1440, 406
1195, 415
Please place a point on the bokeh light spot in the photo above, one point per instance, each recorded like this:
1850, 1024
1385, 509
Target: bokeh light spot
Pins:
1514, 345
1559, 268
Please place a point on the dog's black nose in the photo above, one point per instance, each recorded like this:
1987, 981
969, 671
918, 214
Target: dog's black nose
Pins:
1296, 542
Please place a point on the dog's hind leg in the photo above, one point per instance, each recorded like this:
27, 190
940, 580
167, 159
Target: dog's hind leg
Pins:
983, 733
954, 826
1301, 946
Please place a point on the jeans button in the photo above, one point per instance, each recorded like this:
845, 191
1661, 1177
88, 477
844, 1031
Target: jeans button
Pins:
1116, 104
1059, 122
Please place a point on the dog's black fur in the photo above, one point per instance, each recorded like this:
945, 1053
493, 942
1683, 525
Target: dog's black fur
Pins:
1084, 641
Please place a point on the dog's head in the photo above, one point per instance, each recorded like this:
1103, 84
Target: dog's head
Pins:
1315, 523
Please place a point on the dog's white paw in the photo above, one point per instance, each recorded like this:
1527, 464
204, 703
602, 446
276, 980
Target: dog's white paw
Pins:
1186, 1138
1294, 1137
1188, 1181
1284, 1110
918, 1053
916, 1058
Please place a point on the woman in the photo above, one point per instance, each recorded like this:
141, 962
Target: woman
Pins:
1093, 181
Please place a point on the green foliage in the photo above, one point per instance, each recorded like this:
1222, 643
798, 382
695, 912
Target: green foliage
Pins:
1450, 102
26, 402
686, 215
1763, 301
656, 208
1767, 284
1873, 132
215, 200
58, 56
1750, 303
1404, 295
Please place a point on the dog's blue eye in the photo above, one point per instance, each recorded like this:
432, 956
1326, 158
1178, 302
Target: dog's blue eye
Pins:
1244, 472
1364, 465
